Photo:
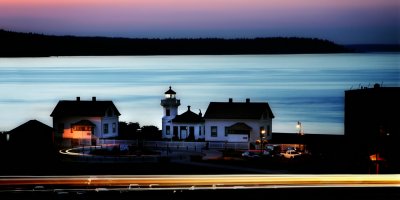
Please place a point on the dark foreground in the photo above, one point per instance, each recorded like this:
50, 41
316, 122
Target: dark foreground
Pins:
271, 193
28, 167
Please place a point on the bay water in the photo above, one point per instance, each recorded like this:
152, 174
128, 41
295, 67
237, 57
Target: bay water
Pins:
298, 87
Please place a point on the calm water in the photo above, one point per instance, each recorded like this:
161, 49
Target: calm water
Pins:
306, 88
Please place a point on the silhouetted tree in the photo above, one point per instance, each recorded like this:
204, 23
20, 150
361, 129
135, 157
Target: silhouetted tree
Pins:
151, 132
129, 130
30, 44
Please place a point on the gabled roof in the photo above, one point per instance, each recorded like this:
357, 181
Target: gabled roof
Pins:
32, 133
84, 123
240, 126
188, 117
92, 108
31, 126
240, 110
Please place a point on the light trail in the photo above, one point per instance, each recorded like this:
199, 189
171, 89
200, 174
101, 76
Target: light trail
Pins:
191, 182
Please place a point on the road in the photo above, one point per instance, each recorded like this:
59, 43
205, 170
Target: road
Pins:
183, 187
160, 182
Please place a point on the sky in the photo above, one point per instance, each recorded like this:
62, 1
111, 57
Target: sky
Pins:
341, 21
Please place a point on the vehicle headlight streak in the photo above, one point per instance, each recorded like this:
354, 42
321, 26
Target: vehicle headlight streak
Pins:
243, 181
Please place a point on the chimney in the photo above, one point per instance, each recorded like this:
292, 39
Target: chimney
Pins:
248, 100
200, 114
188, 108
230, 100
78, 98
93, 98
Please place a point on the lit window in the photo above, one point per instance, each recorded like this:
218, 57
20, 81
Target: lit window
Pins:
170, 96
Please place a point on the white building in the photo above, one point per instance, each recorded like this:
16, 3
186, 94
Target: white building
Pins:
238, 121
82, 122
187, 126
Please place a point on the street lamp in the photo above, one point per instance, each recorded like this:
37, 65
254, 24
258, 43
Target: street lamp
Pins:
299, 127
262, 136
301, 133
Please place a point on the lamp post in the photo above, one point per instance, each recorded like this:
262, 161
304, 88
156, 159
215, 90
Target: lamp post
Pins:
299, 126
138, 138
262, 136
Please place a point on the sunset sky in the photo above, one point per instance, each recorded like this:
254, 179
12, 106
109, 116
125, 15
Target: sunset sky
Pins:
342, 21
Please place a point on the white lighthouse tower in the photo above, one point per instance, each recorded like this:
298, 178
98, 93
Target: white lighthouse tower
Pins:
170, 105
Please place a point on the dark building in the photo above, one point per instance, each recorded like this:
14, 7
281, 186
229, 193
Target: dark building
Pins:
31, 141
32, 133
372, 120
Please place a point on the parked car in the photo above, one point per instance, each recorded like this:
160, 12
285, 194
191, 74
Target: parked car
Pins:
250, 154
291, 154
273, 150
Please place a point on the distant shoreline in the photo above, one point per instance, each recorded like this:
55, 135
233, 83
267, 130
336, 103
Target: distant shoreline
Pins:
15, 44
374, 48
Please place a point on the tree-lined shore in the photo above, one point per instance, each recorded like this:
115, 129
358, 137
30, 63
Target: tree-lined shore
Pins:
17, 44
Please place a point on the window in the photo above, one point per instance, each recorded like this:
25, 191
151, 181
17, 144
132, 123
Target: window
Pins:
114, 127
226, 131
214, 131
105, 128
167, 112
80, 128
167, 130
199, 130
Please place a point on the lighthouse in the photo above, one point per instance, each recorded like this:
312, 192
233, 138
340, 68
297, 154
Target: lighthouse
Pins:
170, 109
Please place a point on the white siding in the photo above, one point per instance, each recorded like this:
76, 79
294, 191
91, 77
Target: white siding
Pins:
109, 121
166, 120
222, 123
198, 128
97, 121
238, 138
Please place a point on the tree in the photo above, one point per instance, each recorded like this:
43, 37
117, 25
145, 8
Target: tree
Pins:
129, 130
151, 132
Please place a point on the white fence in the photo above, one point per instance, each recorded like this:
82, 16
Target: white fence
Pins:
178, 145
229, 145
